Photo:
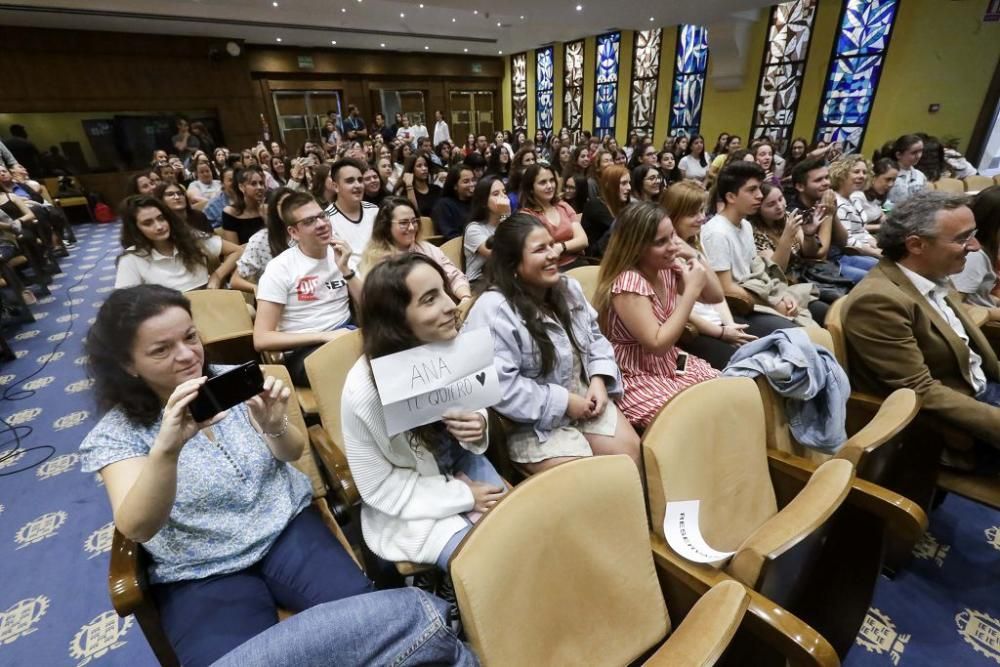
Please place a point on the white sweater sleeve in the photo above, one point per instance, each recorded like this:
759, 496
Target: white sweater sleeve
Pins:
386, 487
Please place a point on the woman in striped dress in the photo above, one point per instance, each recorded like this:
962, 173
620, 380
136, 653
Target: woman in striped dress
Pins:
647, 287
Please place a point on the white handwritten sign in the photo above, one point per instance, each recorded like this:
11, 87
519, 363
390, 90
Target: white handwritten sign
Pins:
418, 385
680, 526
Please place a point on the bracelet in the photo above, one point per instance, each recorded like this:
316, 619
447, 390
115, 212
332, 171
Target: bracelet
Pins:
350, 275
722, 331
564, 247
283, 431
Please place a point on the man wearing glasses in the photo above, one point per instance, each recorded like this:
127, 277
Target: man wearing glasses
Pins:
304, 296
905, 325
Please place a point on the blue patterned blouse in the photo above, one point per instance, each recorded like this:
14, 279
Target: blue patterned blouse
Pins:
233, 497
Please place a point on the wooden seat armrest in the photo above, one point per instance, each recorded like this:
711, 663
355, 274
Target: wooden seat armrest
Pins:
895, 413
335, 462
901, 515
126, 579
765, 619
271, 357
707, 629
825, 491
978, 314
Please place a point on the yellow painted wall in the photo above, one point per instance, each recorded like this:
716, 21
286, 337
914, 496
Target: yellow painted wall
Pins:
941, 52
732, 110
532, 77
557, 91
589, 76
624, 83
824, 31
665, 87
506, 104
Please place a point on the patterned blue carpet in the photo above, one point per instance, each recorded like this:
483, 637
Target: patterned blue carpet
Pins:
55, 530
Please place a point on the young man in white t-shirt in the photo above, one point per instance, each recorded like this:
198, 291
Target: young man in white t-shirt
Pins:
727, 238
352, 218
304, 296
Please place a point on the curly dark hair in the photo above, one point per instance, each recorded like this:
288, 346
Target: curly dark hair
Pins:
501, 273
184, 238
109, 349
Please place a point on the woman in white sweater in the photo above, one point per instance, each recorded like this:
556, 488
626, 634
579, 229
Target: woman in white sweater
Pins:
422, 489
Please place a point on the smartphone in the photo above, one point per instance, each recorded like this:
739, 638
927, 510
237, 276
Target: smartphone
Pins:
225, 390
682, 363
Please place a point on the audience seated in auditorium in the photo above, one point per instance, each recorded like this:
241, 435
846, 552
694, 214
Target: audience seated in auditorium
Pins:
907, 151
161, 249
225, 198
694, 165
204, 186
216, 504
245, 216
669, 171
173, 195
418, 186
350, 216
614, 192
396, 231
648, 285
728, 243
421, 489
539, 198
557, 371
490, 206
647, 183
848, 179
451, 212
777, 232
904, 329
304, 295
264, 245
977, 282
375, 190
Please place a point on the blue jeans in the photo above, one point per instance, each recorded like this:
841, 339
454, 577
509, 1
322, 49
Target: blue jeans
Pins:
856, 267
404, 626
479, 469
306, 566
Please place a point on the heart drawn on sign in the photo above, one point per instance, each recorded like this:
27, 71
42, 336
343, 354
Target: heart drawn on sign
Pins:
482, 378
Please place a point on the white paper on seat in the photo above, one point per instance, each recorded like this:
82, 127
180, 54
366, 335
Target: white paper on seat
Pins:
419, 385
680, 526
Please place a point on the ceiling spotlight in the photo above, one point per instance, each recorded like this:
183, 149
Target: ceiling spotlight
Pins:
334, 42
498, 24
475, 11
465, 50
274, 4
421, 5
453, 19
426, 48
579, 8
500, 52
343, 10
402, 15
651, 18
382, 45
522, 17
277, 39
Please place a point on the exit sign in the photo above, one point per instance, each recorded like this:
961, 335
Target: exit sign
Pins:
477, 68
306, 62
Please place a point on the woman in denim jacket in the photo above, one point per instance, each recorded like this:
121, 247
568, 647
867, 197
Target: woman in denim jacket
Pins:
557, 371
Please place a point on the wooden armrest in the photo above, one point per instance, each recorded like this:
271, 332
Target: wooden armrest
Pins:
770, 622
272, 357
335, 463
436, 239
901, 515
895, 414
125, 578
739, 304
978, 315
708, 628
808, 510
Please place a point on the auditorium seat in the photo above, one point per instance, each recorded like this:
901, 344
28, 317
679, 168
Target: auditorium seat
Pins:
223, 324
454, 251
72, 201
587, 277
427, 232
952, 185
567, 599
127, 582
976, 183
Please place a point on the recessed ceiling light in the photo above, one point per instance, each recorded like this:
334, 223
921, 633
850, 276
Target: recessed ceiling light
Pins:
499, 24
421, 5
382, 45
579, 8
465, 50
500, 52
651, 18
277, 39
275, 4
343, 10
453, 19
402, 15
475, 11
334, 42
522, 17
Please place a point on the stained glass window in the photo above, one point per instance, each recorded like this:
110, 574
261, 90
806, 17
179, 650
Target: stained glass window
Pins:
781, 75
606, 83
645, 76
544, 89
519, 90
573, 86
855, 68
690, 68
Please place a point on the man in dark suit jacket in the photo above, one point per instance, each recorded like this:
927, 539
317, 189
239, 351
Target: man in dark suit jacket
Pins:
905, 326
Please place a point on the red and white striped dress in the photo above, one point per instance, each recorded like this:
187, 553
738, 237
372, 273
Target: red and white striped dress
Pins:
649, 379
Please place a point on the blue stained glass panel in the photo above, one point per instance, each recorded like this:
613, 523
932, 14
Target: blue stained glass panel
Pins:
690, 68
606, 87
545, 82
851, 83
692, 50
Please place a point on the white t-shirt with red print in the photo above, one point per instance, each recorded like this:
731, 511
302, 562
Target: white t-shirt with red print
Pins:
313, 291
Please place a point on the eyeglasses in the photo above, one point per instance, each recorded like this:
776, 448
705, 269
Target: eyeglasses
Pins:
406, 224
311, 220
962, 239
173, 193
653, 178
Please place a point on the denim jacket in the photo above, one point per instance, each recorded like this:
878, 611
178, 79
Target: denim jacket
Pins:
528, 397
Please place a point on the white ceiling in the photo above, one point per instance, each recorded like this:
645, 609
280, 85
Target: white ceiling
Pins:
435, 26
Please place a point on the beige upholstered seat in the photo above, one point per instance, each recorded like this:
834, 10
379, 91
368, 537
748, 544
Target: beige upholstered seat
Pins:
223, 324
949, 185
427, 232
560, 573
454, 251
976, 183
587, 277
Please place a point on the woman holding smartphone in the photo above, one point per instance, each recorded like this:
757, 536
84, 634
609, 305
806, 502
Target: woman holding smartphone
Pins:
216, 504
